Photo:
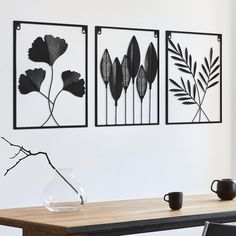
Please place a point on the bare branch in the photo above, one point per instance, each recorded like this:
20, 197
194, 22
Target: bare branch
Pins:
16, 154
28, 153
21, 148
6, 140
21, 159
11, 144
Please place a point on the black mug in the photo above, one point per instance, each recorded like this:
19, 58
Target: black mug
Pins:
175, 200
225, 189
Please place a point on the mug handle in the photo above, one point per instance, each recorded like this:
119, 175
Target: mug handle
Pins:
214, 181
167, 200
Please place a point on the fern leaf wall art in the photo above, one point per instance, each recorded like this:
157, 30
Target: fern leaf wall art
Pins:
129, 68
193, 78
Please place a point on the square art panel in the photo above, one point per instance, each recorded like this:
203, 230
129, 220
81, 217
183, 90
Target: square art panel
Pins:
126, 76
193, 78
50, 75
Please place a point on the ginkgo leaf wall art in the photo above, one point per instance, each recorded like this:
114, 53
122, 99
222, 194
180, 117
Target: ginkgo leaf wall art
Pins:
193, 78
126, 76
50, 75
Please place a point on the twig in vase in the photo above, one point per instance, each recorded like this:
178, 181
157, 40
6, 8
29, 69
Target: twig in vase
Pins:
28, 153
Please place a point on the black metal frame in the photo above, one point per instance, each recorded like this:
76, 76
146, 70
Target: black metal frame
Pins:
98, 31
16, 26
219, 38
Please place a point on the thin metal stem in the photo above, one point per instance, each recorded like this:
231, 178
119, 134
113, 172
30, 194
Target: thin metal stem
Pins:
116, 114
150, 101
49, 95
106, 106
141, 111
51, 112
125, 107
133, 106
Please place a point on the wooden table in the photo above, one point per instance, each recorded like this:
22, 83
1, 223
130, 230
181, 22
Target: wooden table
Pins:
120, 217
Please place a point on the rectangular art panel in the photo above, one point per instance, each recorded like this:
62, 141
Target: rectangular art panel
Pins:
193, 78
50, 75
126, 76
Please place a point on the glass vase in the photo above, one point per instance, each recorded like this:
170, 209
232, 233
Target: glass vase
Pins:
63, 192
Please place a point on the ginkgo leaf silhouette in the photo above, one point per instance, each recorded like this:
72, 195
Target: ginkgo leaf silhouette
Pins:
47, 50
31, 81
72, 83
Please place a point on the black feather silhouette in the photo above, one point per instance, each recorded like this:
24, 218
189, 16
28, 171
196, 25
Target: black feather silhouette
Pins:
116, 81
106, 67
125, 72
126, 77
106, 71
151, 66
141, 84
133, 56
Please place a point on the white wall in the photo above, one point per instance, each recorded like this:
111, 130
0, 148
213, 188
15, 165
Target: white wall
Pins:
124, 162
233, 110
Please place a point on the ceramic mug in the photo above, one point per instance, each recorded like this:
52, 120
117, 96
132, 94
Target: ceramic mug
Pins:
225, 189
175, 200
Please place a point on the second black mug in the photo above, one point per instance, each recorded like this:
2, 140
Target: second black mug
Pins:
225, 189
175, 200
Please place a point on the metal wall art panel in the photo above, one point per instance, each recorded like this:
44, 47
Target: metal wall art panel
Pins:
126, 76
50, 75
193, 78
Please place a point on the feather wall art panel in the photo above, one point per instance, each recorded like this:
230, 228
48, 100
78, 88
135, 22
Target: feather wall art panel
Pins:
50, 75
193, 78
126, 76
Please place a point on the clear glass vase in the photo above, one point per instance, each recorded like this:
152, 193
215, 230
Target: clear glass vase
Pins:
63, 192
